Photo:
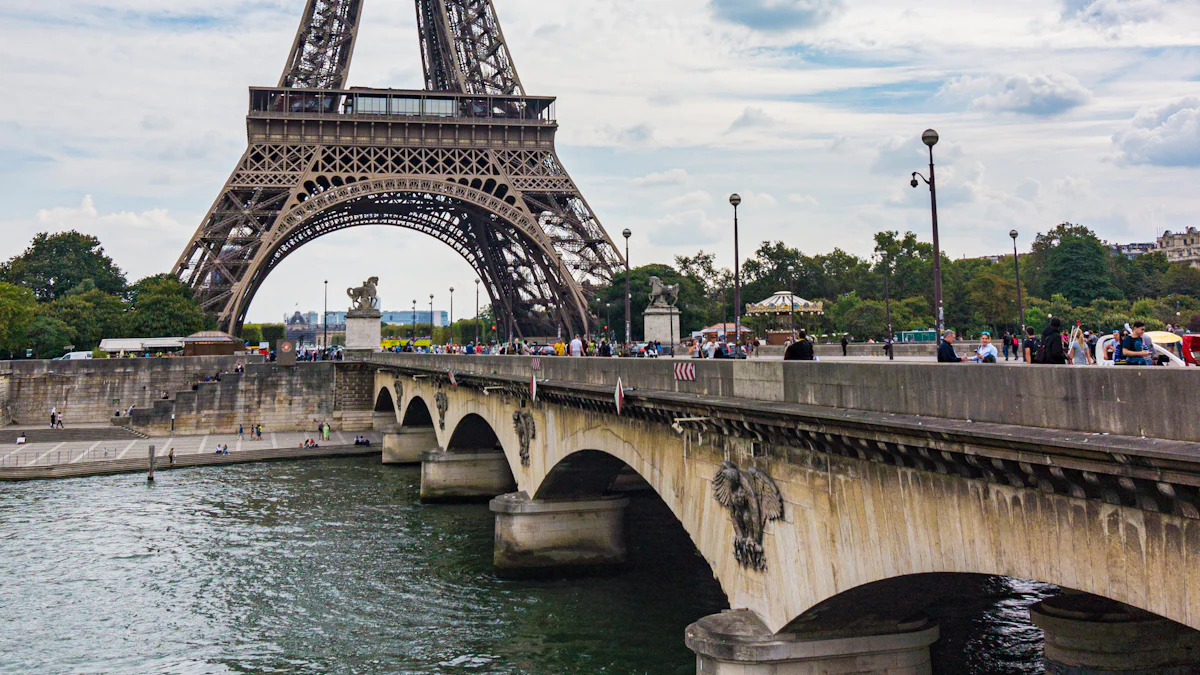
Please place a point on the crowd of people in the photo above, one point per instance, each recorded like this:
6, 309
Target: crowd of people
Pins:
1056, 345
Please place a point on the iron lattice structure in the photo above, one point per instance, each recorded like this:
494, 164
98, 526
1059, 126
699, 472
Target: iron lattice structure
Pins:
470, 161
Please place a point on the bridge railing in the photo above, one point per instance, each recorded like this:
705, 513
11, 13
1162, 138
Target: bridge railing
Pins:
1157, 403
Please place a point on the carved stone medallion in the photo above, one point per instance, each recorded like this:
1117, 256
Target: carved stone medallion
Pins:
752, 499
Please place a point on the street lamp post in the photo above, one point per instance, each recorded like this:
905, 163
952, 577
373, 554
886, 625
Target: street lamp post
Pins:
608, 320
325, 319
1017, 267
628, 322
930, 138
887, 305
736, 200
476, 312
431, 322
412, 334
451, 315
792, 296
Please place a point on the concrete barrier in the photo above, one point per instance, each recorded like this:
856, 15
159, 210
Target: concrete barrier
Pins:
1152, 402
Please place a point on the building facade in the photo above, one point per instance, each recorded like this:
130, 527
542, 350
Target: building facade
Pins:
1181, 247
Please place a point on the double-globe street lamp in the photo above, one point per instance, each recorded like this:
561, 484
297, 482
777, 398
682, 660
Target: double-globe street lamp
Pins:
930, 138
736, 200
1017, 267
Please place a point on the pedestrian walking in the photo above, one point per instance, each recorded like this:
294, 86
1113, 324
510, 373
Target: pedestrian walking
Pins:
325, 431
59, 421
845, 346
53, 415
576, 346
1078, 349
171, 456
1006, 343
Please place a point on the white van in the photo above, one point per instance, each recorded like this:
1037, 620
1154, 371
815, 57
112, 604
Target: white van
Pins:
74, 356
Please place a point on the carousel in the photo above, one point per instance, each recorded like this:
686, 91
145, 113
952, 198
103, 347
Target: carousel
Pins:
779, 308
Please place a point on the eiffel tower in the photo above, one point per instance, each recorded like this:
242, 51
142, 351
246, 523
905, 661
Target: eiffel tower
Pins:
469, 160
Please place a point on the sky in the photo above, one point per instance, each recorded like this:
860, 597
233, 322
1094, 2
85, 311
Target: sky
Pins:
125, 119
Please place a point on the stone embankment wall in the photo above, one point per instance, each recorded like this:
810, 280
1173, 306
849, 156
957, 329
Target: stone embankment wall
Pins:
281, 398
1152, 402
89, 391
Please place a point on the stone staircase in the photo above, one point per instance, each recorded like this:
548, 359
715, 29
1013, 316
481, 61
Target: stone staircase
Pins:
68, 435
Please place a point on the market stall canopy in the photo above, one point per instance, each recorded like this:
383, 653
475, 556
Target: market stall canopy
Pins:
784, 302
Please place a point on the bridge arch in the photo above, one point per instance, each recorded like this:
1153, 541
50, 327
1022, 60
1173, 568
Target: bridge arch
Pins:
473, 434
504, 244
416, 413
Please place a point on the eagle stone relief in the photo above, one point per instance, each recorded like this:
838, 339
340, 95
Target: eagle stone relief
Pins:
753, 499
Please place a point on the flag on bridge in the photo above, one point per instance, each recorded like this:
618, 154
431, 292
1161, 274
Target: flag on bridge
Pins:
453, 381
619, 396
533, 387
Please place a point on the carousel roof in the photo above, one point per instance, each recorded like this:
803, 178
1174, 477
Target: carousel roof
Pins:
783, 302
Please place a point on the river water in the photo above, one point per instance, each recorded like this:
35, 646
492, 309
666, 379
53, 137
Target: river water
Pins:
334, 566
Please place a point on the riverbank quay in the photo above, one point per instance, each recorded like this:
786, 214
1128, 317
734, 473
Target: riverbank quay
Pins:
74, 459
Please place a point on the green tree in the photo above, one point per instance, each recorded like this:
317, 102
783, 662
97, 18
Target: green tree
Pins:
1181, 280
251, 334
994, 299
165, 315
48, 337
55, 263
693, 302
272, 332
18, 309
91, 313
866, 320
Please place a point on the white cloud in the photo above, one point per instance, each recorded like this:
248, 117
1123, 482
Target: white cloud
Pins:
1168, 135
688, 228
694, 198
803, 200
752, 118
1029, 190
665, 178
1073, 187
1113, 12
1040, 94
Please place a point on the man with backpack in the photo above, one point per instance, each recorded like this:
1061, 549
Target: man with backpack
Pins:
1031, 345
1051, 351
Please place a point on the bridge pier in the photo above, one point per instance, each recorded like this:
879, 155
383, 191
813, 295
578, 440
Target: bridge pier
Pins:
452, 476
534, 535
405, 445
1090, 635
738, 643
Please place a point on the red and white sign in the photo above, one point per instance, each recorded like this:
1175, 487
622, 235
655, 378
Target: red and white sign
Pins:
685, 372
533, 387
286, 346
453, 380
619, 396
535, 364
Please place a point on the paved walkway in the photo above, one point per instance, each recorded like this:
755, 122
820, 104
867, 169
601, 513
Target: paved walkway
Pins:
75, 451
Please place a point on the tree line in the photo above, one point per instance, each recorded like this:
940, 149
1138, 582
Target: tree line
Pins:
1069, 273
65, 291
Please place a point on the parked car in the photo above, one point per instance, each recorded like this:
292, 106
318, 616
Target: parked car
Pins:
643, 350
74, 356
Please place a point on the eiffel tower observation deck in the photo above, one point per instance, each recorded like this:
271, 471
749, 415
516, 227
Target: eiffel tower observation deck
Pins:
469, 160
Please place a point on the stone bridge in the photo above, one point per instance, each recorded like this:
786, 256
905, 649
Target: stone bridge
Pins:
833, 499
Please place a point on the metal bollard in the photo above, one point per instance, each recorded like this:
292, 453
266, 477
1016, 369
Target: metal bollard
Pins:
150, 476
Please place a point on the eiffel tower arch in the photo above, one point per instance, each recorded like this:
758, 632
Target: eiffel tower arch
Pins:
469, 160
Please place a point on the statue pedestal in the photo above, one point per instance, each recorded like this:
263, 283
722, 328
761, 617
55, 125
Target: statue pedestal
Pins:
363, 331
662, 325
